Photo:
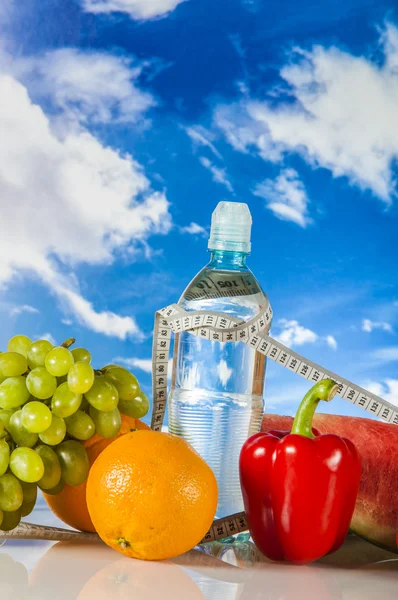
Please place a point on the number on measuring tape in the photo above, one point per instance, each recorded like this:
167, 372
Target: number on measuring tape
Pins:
217, 327
225, 527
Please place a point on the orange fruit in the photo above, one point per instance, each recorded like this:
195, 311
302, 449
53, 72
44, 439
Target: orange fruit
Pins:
70, 505
151, 496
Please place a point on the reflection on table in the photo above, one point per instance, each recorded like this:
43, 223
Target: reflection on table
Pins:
234, 571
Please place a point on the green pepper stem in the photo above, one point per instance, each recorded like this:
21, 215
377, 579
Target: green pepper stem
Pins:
323, 390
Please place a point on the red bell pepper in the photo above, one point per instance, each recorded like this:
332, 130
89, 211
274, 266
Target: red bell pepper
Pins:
300, 490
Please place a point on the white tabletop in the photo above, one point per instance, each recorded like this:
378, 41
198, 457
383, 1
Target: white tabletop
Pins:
37, 570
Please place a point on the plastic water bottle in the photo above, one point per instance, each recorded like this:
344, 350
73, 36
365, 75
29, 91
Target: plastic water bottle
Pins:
216, 398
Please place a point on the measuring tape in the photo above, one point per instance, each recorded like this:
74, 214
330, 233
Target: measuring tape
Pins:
223, 328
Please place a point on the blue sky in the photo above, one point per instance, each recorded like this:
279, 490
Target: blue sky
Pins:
124, 122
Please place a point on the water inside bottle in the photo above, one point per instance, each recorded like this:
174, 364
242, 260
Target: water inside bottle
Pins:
216, 399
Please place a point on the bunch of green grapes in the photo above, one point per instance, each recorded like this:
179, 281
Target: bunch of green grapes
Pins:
52, 400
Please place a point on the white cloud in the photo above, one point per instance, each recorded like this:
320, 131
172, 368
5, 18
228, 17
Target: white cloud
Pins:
219, 175
136, 9
105, 322
48, 337
143, 364
195, 229
87, 86
342, 115
87, 192
286, 197
386, 355
202, 137
294, 334
388, 389
17, 310
331, 342
291, 333
242, 132
67, 200
369, 326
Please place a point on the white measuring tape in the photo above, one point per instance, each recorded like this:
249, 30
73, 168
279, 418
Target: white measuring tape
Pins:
225, 328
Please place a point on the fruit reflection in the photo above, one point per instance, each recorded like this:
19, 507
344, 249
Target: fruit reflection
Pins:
13, 578
86, 571
129, 578
65, 568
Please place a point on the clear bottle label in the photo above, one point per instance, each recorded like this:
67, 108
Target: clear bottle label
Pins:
213, 284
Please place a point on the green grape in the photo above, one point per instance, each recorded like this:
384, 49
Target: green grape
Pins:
11, 493
4, 456
36, 417
124, 381
5, 416
85, 405
52, 468
19, 434
1, 517
12, 364
29, 492
41, 384
55, 433
80, 377
27, 508
27, 465
58, 361
37, 353
57, 489
13, 392
102, 395
136, 408
11, 520
81, 355
65, 402
74, 462
107, 424
80, 425
20, 344
107, 367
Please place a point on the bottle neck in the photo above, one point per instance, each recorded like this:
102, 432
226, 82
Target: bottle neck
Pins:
227, 260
